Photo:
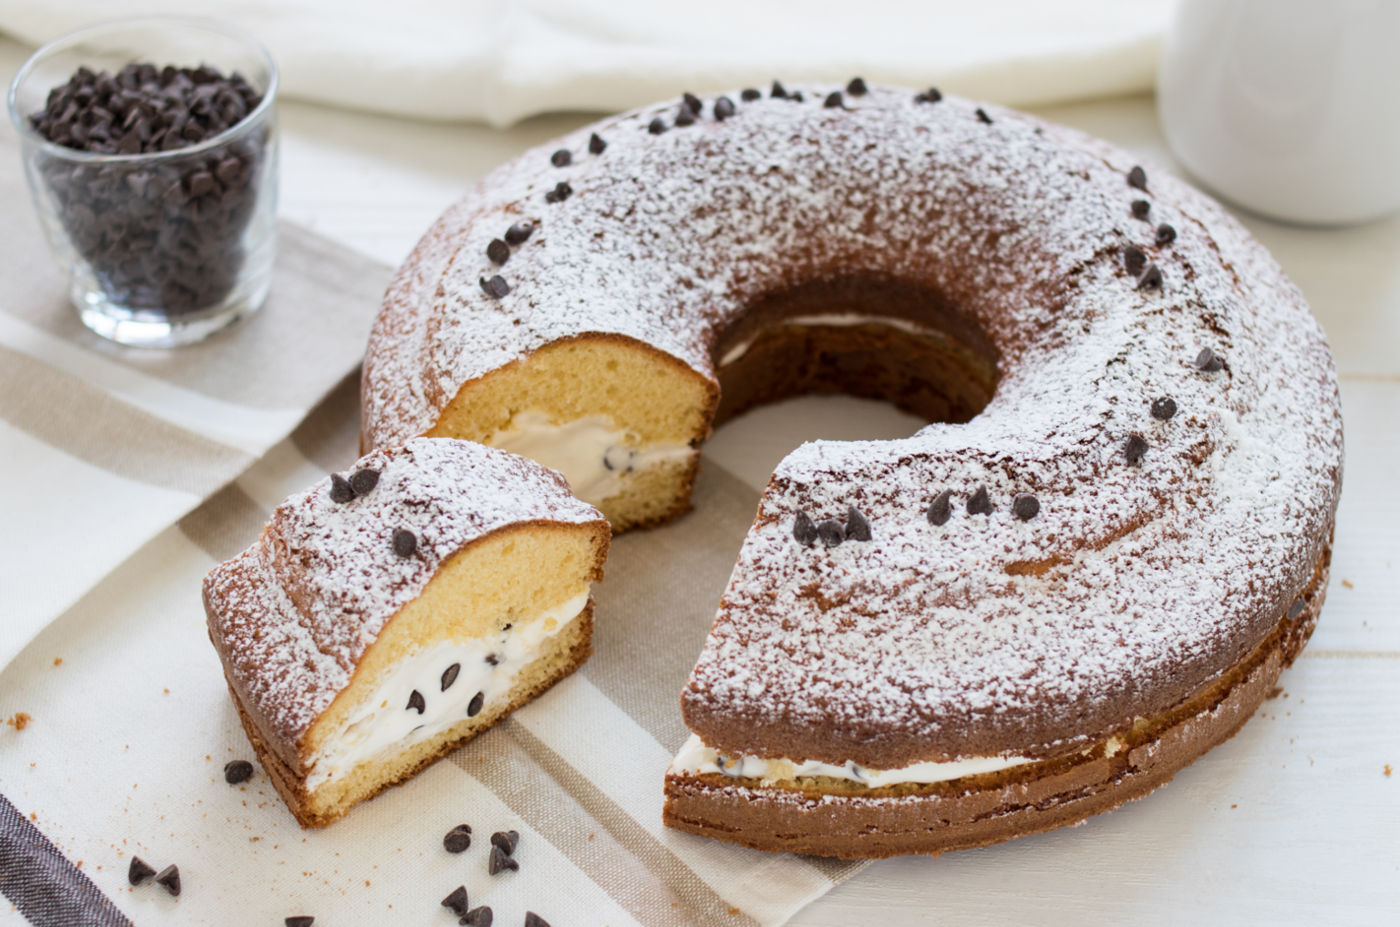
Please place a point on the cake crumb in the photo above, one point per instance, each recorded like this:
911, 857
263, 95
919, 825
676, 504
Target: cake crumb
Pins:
19, 720
1275, 692
1387, 770
1232, 807
1346, 584
57, 661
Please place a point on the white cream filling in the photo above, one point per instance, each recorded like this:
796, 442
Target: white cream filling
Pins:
385, 724
839, 321
695, 758
594, 455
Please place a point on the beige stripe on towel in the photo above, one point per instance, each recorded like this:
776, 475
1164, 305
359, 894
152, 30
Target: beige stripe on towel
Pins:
97, 428
634, 868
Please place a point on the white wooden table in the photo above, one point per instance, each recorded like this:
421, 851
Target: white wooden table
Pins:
1296, 820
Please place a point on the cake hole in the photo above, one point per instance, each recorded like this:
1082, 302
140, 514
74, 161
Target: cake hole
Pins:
868, 337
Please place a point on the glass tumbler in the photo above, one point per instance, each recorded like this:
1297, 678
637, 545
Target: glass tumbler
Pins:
167, 247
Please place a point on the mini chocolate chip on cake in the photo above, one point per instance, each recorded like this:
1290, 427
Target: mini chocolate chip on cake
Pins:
159, 233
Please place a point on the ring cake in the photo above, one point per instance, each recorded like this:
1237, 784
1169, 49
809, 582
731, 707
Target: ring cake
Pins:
1087, 571
386, 617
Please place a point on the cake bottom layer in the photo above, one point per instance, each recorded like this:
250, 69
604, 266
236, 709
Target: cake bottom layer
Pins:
563, 653
830, 817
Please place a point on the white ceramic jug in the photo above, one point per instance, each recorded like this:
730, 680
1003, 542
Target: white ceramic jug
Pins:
1290, 108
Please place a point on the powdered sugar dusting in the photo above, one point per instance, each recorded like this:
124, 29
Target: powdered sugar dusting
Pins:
1132, 587
294, 613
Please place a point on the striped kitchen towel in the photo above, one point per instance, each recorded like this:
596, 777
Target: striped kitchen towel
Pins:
130, 724
106, 446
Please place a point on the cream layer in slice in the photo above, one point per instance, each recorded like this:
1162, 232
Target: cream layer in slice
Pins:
594, 454
696, 758
835, 320
435, 688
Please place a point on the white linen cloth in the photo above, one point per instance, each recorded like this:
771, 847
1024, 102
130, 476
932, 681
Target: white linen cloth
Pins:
501, 61
132, 725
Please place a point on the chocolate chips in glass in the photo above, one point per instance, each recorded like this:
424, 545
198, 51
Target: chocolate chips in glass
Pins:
163, 234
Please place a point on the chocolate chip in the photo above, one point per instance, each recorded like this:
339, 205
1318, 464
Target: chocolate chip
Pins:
684, 118
778, 91
138, 871
980, 503
857, 528
500, 861
202, 183
457, 902
932, 95
478, 917
561, 192
498, 252
474, 708
170, 878
236, 771
405, 542
1134, 449
449, 676
692, 103
561, 158
496, 287
1165, 234
1137, 178
833, 100
1134, 260
301, 920
229, 170
1141, 208
724, 108
796, 96
1208, 361
1025, 506
493, 659
831, 532
415, 701
1296, 609
1163, 408
363, 481
983, 117
1151, 278
534, 920
856, 87
341, 490
941, 509
506, 840
657, 126
517, 233
749, 94
804, 529
596, 145
457, 840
